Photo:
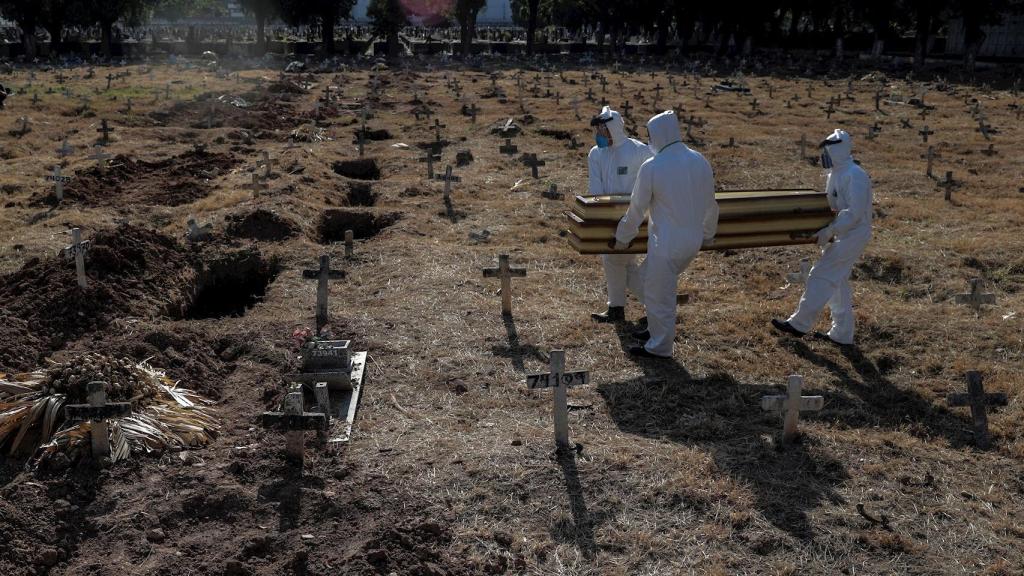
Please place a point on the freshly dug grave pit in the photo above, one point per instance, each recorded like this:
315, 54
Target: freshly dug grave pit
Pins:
169, 182
265, 115
231, 284
371, 134
361, 194
131, 272
362, 223
358, 169
261, 224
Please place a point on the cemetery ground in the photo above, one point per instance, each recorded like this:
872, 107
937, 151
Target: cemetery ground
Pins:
451, 468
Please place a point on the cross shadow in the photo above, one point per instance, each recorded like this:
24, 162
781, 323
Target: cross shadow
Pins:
514, 350
718, 414
581, 531
873, 399
287, 492
451, 213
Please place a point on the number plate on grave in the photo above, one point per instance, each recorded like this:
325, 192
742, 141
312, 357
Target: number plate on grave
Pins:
326, 355
567, 379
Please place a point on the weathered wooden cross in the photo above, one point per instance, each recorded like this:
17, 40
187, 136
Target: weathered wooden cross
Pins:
257, 184
626, 108
560, 380
430, 157
197, 233
58, 182
508, 148
437, 129
447, 178
100, 157
948, 184
925, 133
294, 421
266, 163
791, 405
978, 400
322, 275
106, 130
505, 273
975, 298
930, 157
552, 193
532, 161
97, 411
76, 250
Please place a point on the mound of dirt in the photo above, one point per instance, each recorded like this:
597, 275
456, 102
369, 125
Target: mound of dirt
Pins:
169, 182
261, 224
131, 272
212, 113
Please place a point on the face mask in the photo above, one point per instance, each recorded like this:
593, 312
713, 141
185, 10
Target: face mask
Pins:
602, 141
826, 160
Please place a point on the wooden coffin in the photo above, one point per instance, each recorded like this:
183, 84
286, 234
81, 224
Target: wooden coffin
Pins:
639, 246
731, 204
605, 229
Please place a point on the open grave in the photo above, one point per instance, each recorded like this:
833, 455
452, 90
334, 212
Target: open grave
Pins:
358, 169
332, 224
230, 284
261, 224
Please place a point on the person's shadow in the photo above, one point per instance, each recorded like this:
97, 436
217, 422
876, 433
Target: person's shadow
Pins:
718, 414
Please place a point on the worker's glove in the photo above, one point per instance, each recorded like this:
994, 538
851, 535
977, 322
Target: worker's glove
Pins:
824, 236
618, 246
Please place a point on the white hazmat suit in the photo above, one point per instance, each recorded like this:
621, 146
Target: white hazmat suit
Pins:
677, 186
613, 170
849, 195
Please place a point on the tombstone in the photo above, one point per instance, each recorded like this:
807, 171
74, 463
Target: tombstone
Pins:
196, 233
790, 405
532, 161
100, 157
97, 411
430, 158
508, 148
256, 185
560, 380
801, 276
505, 273
447, 178
322, 275
925, 133
266, 163
979, 401
552, 193
975, 298
76, 251
294, 421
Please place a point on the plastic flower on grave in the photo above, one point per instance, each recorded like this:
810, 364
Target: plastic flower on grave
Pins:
164, 415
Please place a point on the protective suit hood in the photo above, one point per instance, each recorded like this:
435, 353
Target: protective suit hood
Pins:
839, 146
616, 126
663, 130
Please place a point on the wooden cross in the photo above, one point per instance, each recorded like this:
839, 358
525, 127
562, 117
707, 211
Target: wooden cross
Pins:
257, 184
128, 106
590, 94
990, 151
878, 100
24, 129
472, 112
322, 275
109, 78
448, 179
925, 133
975, 298
209, 115
349, 244
948, 184
266, 163
791, 405
576, 107
731, 144
801, 276
573, 143
76, 250
60, 77
437, 129
984, 128
505, 273
106, 130
167, 91
196, 233
930, 156
905, 123
803, 146
552, 193
35, 99
508, 148
58, 182
560, 380
978, 400
294, 421
100, 157
97, 411
430, 158
830, 110
625, 108
532, 161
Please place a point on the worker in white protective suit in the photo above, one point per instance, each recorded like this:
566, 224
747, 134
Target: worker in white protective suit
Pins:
677, 186
843, 240
612, 167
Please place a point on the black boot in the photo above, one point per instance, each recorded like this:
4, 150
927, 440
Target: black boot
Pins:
614, 314
785, 327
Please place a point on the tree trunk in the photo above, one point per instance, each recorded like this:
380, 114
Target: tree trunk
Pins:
261, 39
531, 24
28, 37
107, 28
974, 37
464, 35
327, 19
924, 26
55, 29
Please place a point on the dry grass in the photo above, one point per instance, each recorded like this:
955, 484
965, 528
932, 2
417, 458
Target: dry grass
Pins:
680, 472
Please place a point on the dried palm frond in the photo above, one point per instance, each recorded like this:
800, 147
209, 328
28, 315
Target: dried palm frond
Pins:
163, 414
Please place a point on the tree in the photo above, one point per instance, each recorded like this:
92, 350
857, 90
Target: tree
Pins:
465, 12
26, 13
106, 13
262, 11
388, 17
323, 12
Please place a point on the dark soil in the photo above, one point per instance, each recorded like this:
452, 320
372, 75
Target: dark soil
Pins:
261, 224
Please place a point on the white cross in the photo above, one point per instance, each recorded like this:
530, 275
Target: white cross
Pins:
505, 273
197, 233
76, 250
100, 157
791, 405
560, 380
266, 163
975, 298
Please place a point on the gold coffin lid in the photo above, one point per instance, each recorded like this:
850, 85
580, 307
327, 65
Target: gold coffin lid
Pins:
721, 243
605, 230
731, 204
